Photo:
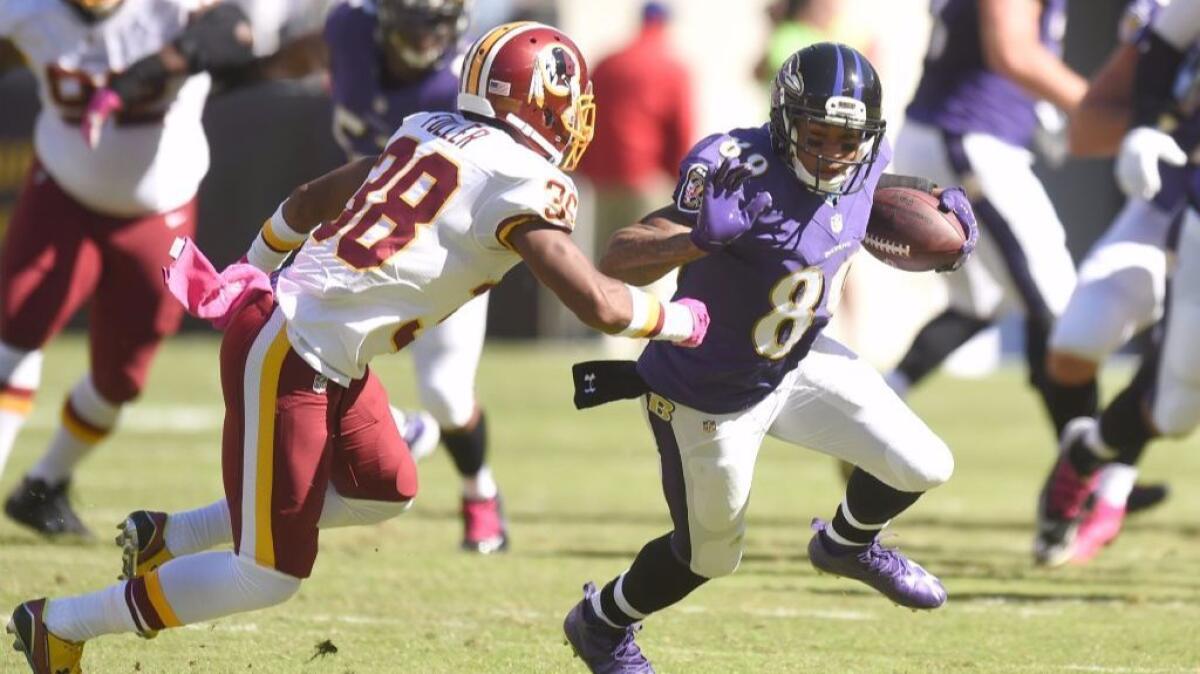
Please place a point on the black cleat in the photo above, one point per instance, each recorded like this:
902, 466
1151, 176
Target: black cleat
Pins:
1146, 496
45, 508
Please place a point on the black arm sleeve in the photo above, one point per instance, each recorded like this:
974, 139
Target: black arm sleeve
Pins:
1157, 66
217, 40
911, 182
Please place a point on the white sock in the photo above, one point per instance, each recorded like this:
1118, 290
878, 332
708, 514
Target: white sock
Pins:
340, 511
212, 585
197, 530
90, 615
20, 376
86, 419
1116, 482
481, 486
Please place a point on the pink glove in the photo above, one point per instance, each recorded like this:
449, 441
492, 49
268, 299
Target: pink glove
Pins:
102, 105
700, 322
203, 292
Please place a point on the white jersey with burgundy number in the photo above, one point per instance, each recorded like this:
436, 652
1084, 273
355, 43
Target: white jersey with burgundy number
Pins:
424, 234
153, 155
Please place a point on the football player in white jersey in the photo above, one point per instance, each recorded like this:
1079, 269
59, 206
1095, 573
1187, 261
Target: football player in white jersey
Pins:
96, 222
454, 202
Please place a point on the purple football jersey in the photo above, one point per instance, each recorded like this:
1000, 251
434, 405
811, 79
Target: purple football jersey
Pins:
959, 94
769, 291
368, 106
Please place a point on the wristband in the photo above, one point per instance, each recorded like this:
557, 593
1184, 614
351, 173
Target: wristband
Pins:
652, 319
274, 242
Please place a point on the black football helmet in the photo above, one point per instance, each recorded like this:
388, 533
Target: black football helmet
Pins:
825, 96
417, 34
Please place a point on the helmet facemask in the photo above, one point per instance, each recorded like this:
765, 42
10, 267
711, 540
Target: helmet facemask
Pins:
832, 150
415, 37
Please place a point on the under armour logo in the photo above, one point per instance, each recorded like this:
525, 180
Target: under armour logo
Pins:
590, 382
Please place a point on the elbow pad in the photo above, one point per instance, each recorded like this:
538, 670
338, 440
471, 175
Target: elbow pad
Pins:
1157, 66
217, 40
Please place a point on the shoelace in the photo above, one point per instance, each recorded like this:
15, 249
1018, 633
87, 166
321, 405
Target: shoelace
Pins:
884, 560
627, 649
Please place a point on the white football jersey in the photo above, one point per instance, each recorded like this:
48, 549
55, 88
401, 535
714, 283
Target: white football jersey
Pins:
153, 154
424, 234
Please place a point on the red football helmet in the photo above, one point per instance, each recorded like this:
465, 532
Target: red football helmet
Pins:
533, 78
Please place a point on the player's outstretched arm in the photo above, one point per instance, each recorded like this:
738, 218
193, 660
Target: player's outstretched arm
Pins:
644, 252
306, 207
1098, 124
600, 302
1012, 47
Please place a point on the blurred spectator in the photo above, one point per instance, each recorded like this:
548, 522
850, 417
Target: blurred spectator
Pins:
644, 128
643, 125
795, 24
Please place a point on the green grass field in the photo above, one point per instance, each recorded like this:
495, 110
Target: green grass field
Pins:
583, 496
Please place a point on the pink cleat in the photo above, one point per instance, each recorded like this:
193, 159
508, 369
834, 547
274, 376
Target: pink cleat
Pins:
1099, 529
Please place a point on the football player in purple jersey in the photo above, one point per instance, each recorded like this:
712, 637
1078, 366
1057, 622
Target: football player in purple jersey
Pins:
387, 60
1155, 79
763, 227
972, 120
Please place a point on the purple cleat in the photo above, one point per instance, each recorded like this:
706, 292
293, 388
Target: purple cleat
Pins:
603, 648
895, 576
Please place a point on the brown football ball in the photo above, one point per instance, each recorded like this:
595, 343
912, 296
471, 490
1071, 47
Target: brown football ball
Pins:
908, 231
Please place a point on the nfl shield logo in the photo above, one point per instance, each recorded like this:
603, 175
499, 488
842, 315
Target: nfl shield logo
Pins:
709, 426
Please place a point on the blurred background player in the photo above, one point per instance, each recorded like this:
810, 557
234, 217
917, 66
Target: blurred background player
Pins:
766, 220
389, 59
644, 133
309, 440
1123, 286
96, 223
971, 121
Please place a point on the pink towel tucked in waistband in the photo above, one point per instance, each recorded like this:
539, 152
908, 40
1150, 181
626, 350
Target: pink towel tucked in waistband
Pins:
204, 292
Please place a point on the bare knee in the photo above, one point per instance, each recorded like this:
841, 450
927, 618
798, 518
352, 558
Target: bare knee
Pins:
1069, 369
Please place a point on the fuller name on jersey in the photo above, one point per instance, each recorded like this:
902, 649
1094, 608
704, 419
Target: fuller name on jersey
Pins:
425, 233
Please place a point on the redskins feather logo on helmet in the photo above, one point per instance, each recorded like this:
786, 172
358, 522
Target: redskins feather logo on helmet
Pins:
533, 78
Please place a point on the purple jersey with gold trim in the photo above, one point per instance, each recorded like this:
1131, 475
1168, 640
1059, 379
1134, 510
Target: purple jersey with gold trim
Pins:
769, 292
368, 107
959, 94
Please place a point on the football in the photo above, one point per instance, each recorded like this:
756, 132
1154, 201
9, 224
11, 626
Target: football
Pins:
908, 231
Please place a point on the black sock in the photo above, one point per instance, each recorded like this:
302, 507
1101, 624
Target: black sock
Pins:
468, 446
871, 503
937, 340
1069, 402
655, 580
1123, 427
1063, 402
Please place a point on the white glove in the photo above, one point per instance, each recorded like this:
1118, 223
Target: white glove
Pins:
1137, 161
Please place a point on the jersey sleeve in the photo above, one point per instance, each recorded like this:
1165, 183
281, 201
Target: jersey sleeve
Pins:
704, 156
12, 12
548, 196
